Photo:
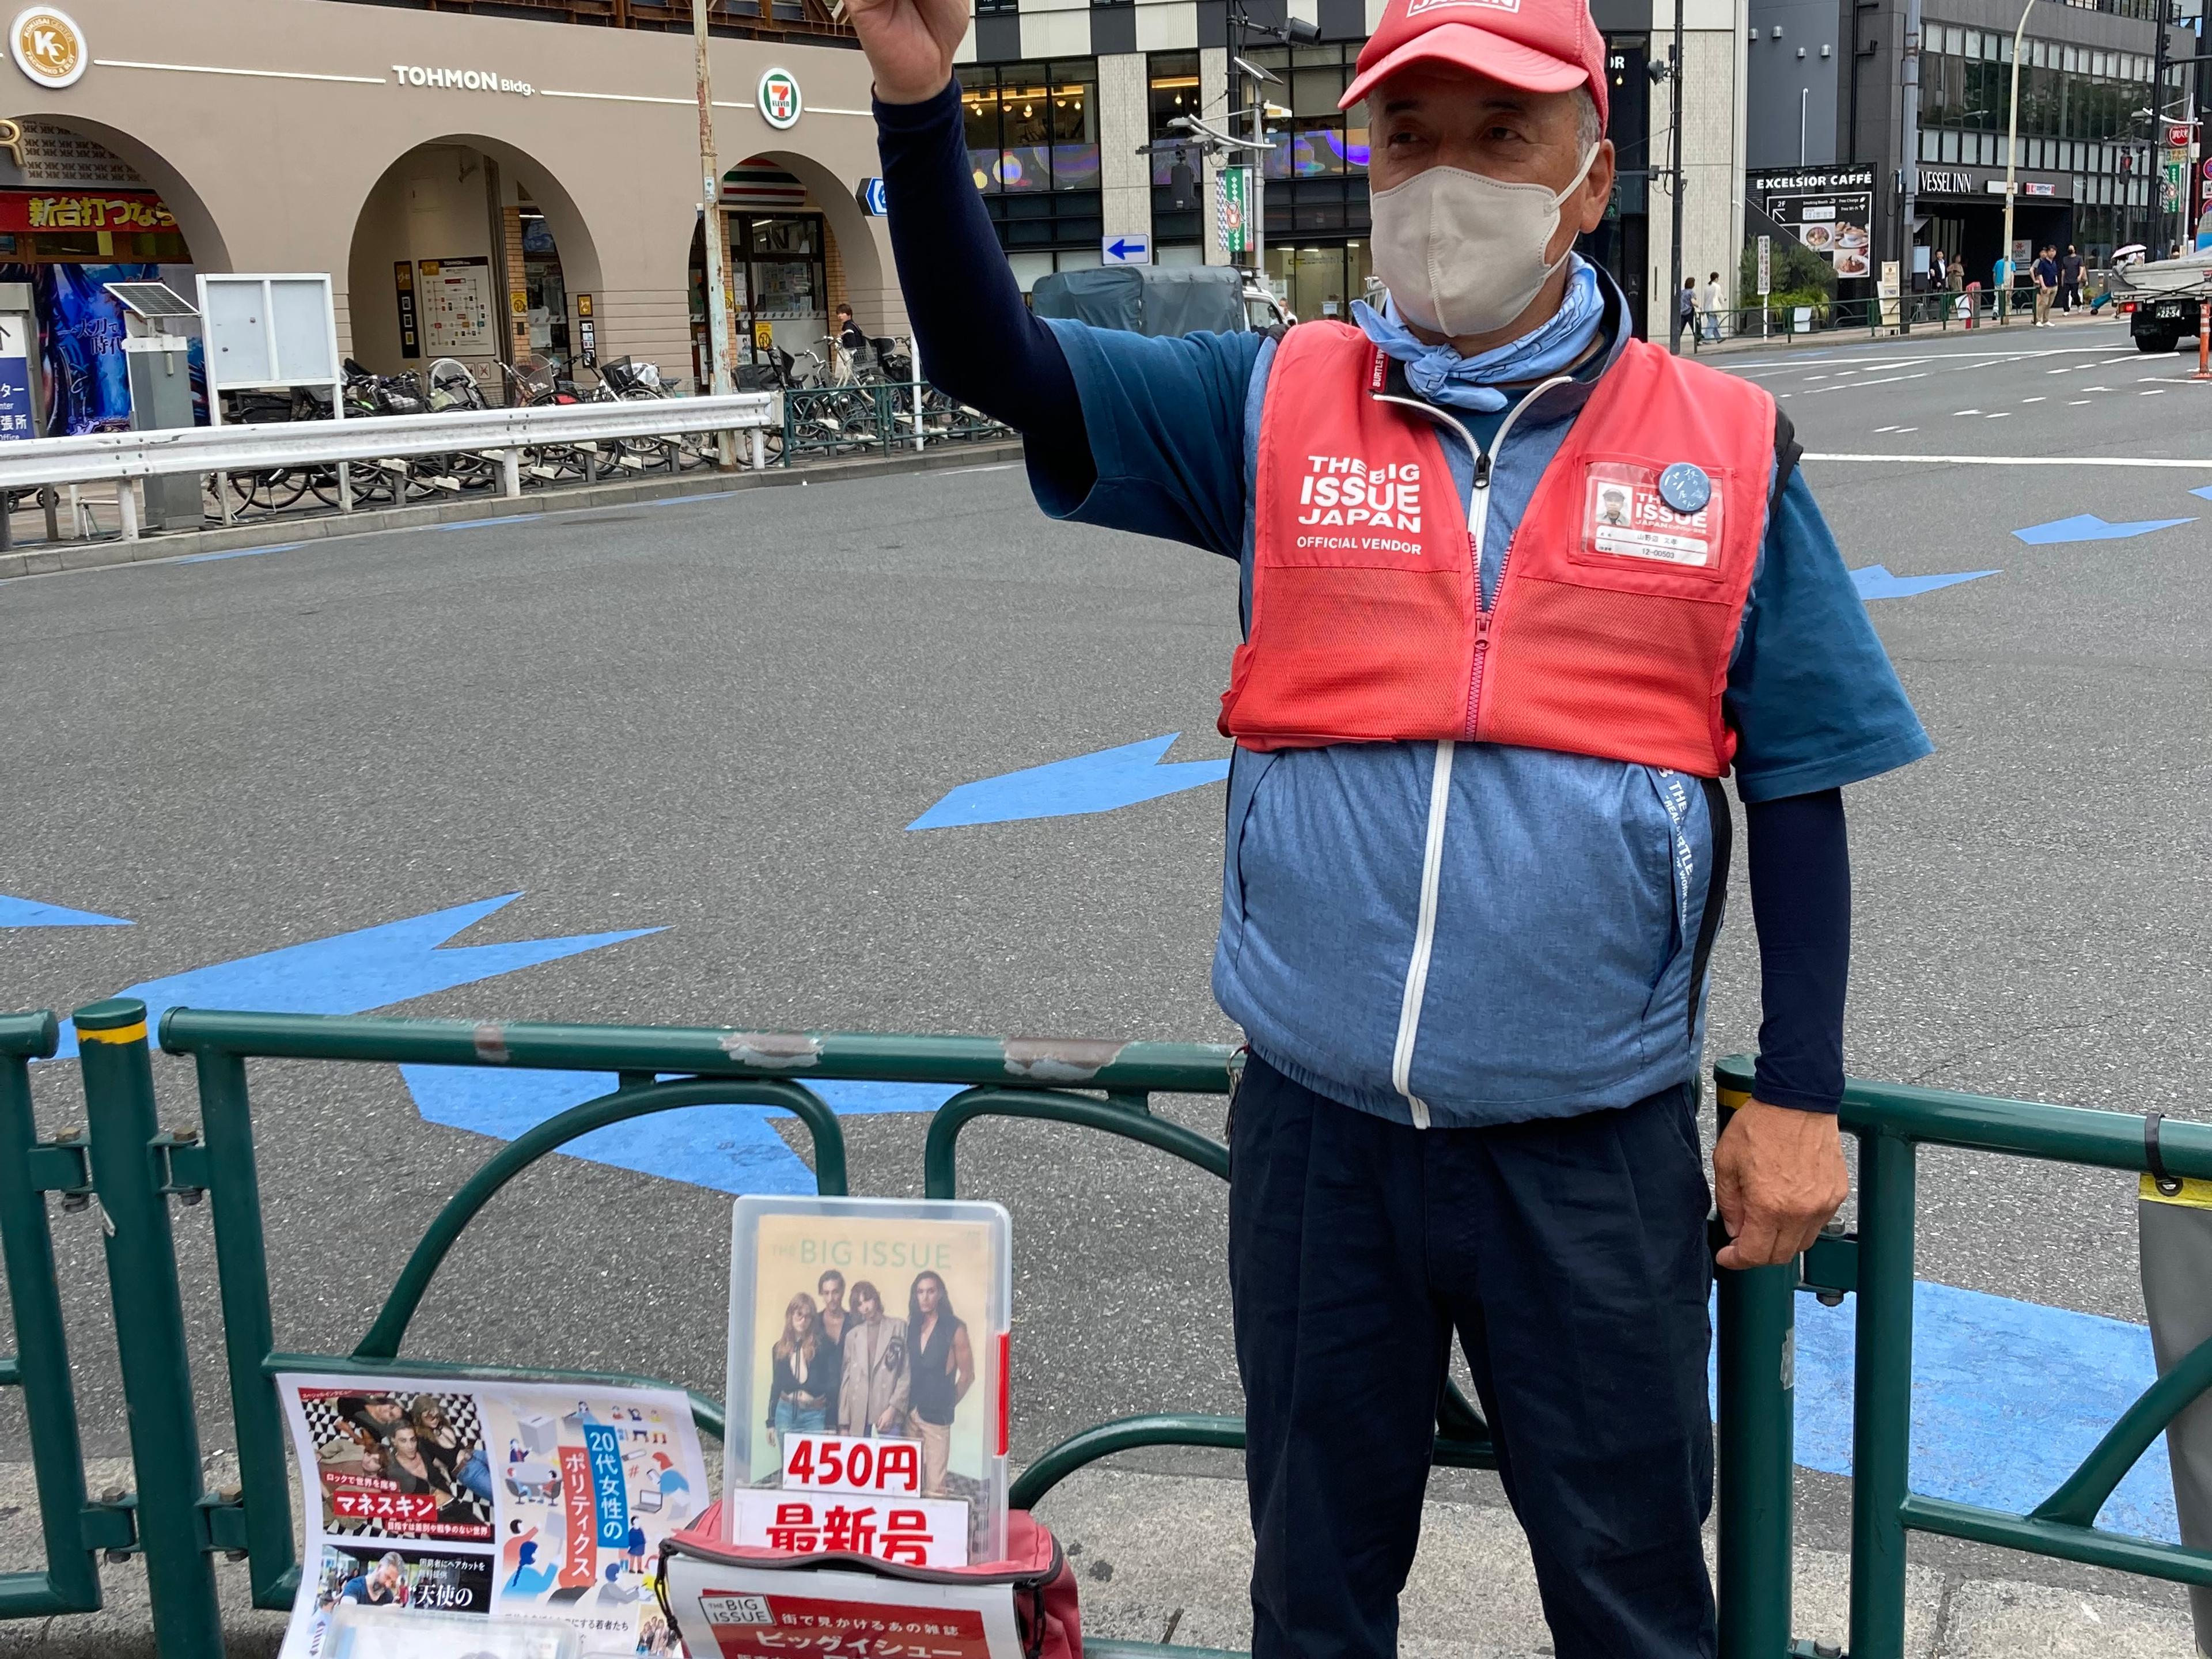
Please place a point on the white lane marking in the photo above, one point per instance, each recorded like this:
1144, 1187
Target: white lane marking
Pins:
2103, 361
2096, 388
2078, 403
1965, 412
2200, 465
1885, 428
2155, 391
2035, 400
2002, 415
1902, 430
1809, 378
2063, 368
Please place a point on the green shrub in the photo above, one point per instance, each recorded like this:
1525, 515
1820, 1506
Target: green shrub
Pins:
1796, 269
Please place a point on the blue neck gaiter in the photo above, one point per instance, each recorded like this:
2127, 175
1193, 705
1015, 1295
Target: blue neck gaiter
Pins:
1440, 375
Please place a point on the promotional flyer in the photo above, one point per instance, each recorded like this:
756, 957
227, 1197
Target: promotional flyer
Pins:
491, 1500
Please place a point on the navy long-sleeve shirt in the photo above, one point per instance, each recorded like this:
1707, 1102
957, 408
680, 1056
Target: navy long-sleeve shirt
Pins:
981, 344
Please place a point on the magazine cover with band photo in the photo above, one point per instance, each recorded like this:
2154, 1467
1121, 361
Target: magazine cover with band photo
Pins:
867, 1380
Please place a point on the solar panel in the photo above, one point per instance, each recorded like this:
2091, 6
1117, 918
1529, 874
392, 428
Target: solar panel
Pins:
151, 299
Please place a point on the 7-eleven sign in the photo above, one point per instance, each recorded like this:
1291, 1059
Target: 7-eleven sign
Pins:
779, 99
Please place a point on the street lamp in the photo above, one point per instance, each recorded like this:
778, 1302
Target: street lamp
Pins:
2012, 163
1293, 31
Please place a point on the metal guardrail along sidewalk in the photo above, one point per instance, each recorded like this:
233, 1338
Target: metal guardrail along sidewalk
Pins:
122, 457
133, 1170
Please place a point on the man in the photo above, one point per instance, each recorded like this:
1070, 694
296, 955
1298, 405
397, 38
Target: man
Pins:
1476, 844
2070, 279
384, 1585
875, 1378
2045, 273
828, 1369
1716, 306
850, 340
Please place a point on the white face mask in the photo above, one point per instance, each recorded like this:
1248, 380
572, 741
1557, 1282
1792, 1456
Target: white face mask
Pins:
1463, 253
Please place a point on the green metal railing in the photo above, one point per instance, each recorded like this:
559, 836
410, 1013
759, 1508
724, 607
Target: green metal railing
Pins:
72, 1530
1892, 1123
133, 1170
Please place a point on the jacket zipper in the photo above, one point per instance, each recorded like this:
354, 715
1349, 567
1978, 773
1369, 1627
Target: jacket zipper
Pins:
1432, 850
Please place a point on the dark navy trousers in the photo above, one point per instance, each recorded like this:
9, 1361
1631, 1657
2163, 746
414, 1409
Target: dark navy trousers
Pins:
1570, 1256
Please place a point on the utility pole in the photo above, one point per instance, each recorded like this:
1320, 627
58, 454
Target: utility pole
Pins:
1908, 179
1674, 288
2156, 186
2012, 163
1256, 197
720, 379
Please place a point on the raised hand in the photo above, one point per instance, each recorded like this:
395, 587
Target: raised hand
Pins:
909, 44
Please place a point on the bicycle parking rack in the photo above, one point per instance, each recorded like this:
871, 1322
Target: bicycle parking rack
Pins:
131, 1170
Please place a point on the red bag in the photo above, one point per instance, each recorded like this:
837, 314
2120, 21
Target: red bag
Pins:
1043, 1584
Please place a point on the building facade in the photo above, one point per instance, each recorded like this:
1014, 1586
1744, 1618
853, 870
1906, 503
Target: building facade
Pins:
1827, 113
1071, 107
512, 182
486, 188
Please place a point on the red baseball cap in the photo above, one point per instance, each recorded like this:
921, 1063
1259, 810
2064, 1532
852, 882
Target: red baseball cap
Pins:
1539, 46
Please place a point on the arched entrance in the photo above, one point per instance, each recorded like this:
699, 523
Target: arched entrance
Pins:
82, 205
467, 248
797, 245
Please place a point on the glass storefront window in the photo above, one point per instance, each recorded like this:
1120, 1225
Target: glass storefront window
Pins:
1319, 282
1031, 126
1175, 91
1314, 138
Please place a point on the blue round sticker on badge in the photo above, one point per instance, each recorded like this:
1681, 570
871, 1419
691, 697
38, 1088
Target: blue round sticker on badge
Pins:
1685, 486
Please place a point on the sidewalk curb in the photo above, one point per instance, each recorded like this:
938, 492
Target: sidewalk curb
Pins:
1829, 339
45, 560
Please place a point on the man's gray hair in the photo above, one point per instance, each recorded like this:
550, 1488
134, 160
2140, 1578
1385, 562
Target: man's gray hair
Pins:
1587, 130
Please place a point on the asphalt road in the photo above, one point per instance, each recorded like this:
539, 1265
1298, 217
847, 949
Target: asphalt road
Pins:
715, 718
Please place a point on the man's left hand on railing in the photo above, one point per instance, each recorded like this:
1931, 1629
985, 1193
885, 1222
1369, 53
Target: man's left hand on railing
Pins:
1778, 1177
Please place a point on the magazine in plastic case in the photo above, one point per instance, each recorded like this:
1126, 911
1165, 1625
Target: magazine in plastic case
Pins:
868, 1378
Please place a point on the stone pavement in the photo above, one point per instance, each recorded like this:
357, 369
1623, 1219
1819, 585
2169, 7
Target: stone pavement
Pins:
1166, 1558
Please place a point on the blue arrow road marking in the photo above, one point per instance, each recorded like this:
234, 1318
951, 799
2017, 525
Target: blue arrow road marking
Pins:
1873, 581
731, 1149
2088, 527
1085, 783
353, 973
29, 913
2008, 1397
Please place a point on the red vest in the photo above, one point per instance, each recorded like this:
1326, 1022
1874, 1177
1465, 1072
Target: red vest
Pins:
1614, 619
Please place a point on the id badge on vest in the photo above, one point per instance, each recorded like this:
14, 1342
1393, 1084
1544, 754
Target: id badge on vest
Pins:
1635, 513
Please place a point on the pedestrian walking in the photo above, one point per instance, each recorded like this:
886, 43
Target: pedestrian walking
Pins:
1716, 306
2070, 279
1685, 309
2045, 273
1477, 841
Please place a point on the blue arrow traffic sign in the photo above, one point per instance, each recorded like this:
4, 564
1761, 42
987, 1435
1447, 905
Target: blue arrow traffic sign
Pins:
1126, 250
29, 913
1085, 783
2088, 527
353, 973
2008, 1397
1873, 581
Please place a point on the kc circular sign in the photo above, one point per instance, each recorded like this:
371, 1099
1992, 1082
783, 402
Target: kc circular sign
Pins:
48, 46
779, 99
